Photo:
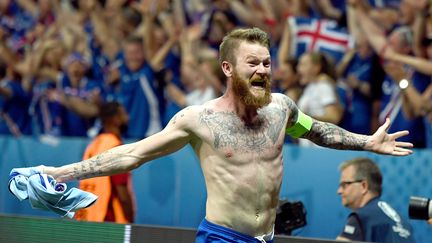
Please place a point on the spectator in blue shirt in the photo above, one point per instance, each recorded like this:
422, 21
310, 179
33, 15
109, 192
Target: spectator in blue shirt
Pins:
78, 96
14, 118
136, 88
371, 219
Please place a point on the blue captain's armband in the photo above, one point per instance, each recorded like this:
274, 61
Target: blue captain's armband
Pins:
302, 125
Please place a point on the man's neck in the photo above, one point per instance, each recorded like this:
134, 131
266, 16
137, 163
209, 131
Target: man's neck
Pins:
246, 113
112, 129
367, 198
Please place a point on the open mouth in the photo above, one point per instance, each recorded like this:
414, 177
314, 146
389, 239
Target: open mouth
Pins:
258, 84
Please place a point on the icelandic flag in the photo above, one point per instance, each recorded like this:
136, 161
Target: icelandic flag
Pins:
318, 35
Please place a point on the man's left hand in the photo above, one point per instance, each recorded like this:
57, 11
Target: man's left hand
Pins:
383, 143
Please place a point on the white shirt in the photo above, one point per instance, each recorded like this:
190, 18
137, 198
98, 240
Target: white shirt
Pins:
316, 96
198, 96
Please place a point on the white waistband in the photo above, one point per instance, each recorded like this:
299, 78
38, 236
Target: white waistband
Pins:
266, 237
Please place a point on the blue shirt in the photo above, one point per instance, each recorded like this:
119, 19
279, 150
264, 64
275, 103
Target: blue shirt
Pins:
391, 106
46, 114
142, 99
72, 123
99, 68
15, 110
377, 221
16, 23
358, 107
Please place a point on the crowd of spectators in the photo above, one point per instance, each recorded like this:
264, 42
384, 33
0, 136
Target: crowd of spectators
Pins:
60, 60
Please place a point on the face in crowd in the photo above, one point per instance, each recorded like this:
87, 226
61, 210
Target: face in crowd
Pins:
351, 189
360, 181
309, 67
134, 54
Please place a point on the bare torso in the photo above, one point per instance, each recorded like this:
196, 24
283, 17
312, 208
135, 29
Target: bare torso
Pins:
242, 164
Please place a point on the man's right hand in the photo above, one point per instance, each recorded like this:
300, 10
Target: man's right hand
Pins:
27, 171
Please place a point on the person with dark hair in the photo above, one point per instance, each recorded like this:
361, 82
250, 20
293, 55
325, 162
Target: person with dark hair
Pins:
288, 79
319, 98
372, 219
238, 138
115, 202
77, 96
134, 76
137, 90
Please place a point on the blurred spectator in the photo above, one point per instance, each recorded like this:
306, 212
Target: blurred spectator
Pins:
286, 79
360, 78
319, 99
298, 8
43, 11
44, 74
138, 92
200, 90
153, 76
134, 83
15, 22
415, 103
78, 96
331, 9
399, 41
115, 198
197, 76
14, 118
220, 20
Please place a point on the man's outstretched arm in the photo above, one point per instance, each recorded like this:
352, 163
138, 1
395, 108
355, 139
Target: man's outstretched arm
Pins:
129, 156
332, 136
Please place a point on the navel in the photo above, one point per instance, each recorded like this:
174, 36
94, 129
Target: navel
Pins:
228, 154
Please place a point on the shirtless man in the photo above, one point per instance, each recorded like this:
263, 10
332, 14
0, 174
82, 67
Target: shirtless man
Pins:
239, 139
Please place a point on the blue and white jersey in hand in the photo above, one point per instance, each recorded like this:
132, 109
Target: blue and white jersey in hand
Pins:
45, 193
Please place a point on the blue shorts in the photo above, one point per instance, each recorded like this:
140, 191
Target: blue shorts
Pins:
209, 232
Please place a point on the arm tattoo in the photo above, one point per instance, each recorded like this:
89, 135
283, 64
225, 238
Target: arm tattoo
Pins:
107, 163
329, 135
293, 109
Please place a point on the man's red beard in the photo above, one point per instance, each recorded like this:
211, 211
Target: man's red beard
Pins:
241, 88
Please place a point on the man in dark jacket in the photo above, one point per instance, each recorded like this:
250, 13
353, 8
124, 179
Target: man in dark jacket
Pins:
371, 219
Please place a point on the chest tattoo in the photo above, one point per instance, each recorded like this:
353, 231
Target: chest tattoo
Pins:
229, 131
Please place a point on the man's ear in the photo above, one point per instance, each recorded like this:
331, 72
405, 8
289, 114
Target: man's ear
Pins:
365, 186
227, 68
